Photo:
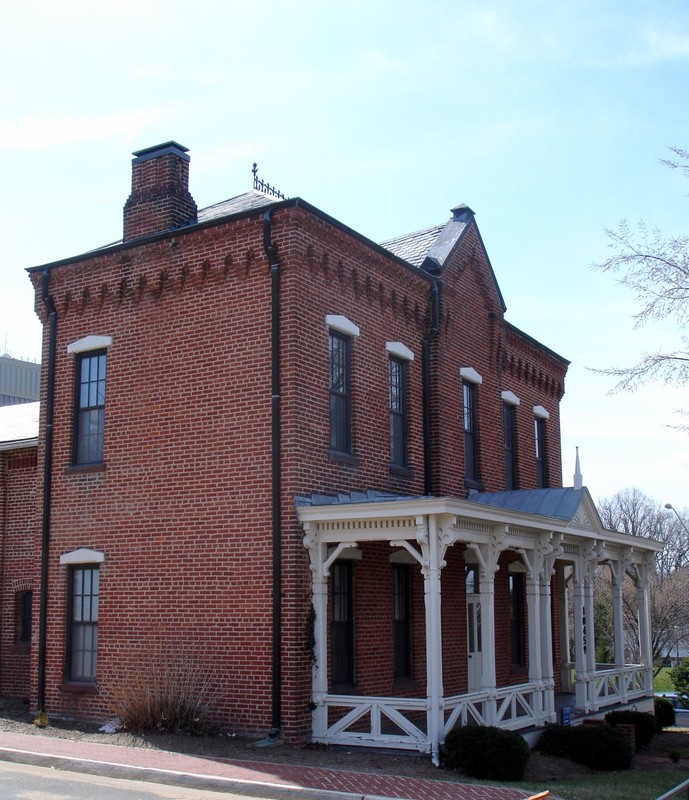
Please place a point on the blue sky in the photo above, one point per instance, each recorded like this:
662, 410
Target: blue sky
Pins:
548, 119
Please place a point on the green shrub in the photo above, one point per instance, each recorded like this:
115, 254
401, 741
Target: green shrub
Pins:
644, 724
486, 752
596, 746
664, 712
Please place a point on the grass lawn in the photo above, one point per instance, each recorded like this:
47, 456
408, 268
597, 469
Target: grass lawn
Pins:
616, 786
662, 682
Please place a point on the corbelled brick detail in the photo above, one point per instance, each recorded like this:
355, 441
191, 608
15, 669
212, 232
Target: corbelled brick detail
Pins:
160, 198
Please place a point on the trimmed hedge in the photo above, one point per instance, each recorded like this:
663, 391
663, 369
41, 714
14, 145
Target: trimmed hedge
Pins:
644, 724
486, 752
664, 712
595, 746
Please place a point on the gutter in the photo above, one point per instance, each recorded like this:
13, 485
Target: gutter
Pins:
276, 470
47, 487
429, 336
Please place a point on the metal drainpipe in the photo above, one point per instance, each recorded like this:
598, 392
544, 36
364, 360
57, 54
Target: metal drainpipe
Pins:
276, 468
47, 486
431, 333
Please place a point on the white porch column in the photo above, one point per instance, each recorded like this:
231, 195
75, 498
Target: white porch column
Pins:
644, 611
617, 571
534, 564
554, 551
320, 570
580, 640
488, 556
563, 610
434, 639
590, 636
319, 593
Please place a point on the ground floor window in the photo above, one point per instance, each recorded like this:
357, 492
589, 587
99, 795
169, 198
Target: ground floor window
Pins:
401, 604
83, 623
517, 619
23, 607
341, 625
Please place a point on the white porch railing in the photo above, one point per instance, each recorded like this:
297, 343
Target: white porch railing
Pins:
402, 723
395, 722
619, 684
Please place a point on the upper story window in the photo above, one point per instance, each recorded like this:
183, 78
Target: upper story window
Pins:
89, 418
470, 381
509, 420
397, 370
540, 417
340, 334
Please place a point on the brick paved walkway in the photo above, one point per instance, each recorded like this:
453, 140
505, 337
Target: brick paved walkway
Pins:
262, 778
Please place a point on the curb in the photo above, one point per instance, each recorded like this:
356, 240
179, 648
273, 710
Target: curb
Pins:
187, 780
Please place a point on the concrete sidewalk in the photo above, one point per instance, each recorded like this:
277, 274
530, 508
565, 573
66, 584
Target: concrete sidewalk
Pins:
254, 778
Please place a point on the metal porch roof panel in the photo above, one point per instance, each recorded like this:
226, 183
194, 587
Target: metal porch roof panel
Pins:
561, 503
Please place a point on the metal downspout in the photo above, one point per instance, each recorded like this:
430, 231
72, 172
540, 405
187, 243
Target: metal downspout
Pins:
47, 487
276, 468
431, 333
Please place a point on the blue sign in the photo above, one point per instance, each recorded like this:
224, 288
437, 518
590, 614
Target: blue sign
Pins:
565, 715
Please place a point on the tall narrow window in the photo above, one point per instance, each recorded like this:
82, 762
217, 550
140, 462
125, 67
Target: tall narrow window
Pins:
401, 619
340, 393
83, 623
341, 625
398, 412
470, 438
508, 416
539, 441
23, 606
516, 585
90, 412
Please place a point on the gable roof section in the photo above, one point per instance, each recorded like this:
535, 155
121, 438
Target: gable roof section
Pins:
19, 426
429, 249
414, 247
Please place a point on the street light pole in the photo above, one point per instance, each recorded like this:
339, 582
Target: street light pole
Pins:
681, 521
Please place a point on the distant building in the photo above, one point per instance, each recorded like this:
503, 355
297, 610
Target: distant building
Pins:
20, 381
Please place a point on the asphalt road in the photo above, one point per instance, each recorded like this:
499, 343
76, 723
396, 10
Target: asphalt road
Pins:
23, 782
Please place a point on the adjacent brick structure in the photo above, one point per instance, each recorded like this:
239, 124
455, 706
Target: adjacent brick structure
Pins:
180, 508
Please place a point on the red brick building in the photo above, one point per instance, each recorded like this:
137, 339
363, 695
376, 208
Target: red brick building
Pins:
270, 446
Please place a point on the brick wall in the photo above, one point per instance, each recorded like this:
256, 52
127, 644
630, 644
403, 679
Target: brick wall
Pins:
19, 532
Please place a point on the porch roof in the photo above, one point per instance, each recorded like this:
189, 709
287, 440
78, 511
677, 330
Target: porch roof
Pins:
563, 510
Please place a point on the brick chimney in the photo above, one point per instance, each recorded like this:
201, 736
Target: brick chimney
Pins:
160, 198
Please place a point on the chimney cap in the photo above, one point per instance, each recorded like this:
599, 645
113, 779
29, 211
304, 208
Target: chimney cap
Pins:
159, 150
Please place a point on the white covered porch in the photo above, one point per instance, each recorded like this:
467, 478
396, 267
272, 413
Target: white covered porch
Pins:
550, 537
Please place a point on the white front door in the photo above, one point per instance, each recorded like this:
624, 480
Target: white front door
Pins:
474, 641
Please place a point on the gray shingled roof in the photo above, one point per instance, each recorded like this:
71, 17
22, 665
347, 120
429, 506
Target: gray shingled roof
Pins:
235, 205
414, 247
558, 503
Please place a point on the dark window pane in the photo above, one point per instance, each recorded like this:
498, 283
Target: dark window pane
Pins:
539, 439
340, 393
341, 624
509, 444
90, 415
83, 641
401, 604
516, 586
469, 421
398, 412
